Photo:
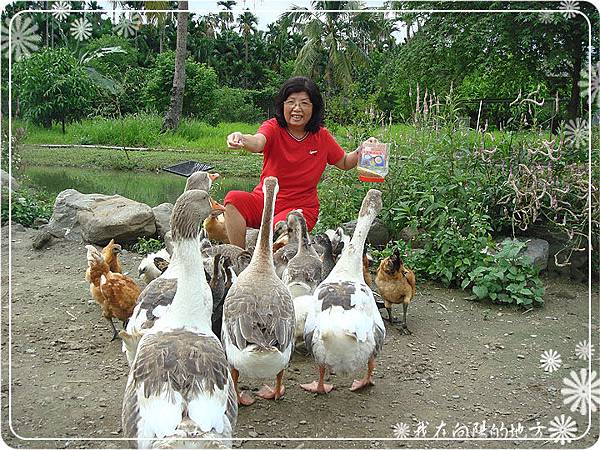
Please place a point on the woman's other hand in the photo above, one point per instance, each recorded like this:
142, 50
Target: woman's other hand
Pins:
235, 140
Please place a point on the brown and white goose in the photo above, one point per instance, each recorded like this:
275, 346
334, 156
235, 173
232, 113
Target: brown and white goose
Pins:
156, 298
303, 272
344, 331
258, 315
179, 386
282, 256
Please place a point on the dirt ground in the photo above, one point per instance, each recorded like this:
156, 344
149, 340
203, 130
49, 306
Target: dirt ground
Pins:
465, 363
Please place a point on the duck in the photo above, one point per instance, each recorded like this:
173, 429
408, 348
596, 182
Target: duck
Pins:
258, 314
153, 265
179, 386
324, 249
240, 258
220, 283
344, 331
338, 239
303, 272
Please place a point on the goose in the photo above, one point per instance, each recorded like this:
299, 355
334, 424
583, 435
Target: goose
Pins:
344, 331
179, 386
158, 295
303, 272
258, 314
282, 256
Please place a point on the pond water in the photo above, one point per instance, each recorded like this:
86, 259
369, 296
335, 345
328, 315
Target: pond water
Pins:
145, 187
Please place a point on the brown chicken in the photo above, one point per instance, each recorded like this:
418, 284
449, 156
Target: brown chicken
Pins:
396, 284
214, 224
116, 293
111, 253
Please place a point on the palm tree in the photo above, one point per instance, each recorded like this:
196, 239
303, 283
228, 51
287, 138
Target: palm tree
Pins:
247, 23
330, 49
158, 18
173, 115
226, 16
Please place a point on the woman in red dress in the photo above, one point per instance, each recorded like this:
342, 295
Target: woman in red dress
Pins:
296, 149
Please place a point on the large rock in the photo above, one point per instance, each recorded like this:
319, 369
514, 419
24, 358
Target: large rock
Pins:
99, 218
378, 235
162, 215
4, 180
536, 250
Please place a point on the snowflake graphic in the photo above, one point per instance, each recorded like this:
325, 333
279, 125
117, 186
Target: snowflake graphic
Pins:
569, 7
128, 24
546, 17
61, 10
581, 392
81, 29
24, 39
550, 361
562, 429
576, 132
590, 84
401, 430
584, 350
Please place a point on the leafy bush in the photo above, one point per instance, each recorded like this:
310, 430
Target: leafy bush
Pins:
52, 87
27, 206
114, 63
145, 246
200, 86
235, 105
506, 277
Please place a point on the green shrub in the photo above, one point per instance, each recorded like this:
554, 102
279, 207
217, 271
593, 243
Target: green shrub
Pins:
506, 277
27, 205
145, 246
236, 105
200, 87
52, 87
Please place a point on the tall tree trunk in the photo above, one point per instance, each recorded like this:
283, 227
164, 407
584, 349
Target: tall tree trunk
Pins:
174, 112
576, 47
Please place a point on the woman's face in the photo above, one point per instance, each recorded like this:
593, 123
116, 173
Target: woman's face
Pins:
297, 110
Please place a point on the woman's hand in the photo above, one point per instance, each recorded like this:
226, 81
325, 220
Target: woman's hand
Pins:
235, 140
371, 140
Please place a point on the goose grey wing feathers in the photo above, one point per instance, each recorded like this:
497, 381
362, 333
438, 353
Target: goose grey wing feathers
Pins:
267, 320
186, 362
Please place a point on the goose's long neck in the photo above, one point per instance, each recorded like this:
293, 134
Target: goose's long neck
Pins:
263, 253
301, 232
174, 264
350, 262
192, 304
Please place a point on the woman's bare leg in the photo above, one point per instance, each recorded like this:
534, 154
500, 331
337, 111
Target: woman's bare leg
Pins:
235, 224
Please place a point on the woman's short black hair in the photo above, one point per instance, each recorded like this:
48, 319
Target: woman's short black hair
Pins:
301, 84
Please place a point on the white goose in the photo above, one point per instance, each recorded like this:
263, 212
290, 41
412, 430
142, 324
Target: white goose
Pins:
179, 386
344, 331
258, 315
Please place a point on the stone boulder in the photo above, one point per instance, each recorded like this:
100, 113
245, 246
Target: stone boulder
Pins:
4, 180
98, 218
378, 235
162, 216
537, 251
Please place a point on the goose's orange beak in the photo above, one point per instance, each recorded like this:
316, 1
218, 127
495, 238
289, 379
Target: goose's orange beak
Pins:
213, 176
